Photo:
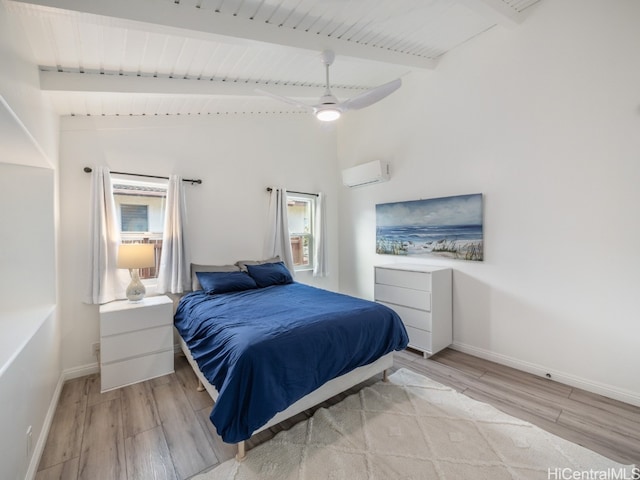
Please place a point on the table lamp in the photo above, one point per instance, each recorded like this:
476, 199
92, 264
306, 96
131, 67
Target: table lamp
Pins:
134, 256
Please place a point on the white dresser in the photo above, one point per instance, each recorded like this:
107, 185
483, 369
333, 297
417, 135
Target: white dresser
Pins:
136, 341
421, 296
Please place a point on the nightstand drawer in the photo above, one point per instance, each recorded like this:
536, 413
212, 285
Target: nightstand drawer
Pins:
404, 278
147, 314
130, 371
403, 296
133, 344
419, 339
411, 316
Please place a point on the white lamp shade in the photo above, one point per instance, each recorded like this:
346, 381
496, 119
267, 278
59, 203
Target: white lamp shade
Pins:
136, 255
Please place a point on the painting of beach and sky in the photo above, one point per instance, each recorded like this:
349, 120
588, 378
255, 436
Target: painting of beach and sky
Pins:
448, 227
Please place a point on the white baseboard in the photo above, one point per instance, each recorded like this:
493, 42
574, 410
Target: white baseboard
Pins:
48, 420
81, 371
610, 391
42, 439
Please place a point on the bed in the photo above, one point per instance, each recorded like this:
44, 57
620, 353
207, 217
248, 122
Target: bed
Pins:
267, 348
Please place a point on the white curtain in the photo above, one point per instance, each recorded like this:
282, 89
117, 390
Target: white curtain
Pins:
321, 268
106, 282
174, 267
277, 242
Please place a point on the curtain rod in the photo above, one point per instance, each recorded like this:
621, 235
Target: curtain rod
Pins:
191, 181
269, 189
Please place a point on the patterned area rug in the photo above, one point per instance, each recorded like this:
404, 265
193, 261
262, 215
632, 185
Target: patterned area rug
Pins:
415, 428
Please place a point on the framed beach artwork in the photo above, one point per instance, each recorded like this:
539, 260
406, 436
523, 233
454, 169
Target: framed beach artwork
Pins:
448, 227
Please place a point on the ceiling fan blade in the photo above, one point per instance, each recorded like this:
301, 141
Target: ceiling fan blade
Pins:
371, 96
288, 100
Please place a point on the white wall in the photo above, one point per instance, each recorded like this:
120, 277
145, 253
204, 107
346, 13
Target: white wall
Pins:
544, 119
27, 389
27, 252
237, 157
29, 330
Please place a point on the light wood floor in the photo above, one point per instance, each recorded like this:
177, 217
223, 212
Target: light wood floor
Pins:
160, 429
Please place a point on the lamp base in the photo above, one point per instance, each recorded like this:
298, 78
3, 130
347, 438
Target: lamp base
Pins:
135, 290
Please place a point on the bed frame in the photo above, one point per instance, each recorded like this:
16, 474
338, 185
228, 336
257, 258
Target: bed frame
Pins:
324, 392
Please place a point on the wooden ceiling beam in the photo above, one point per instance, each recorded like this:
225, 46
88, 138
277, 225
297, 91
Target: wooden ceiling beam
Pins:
172, 18
54, 81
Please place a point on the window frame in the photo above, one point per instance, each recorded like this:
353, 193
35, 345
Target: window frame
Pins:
310, 235
155, 188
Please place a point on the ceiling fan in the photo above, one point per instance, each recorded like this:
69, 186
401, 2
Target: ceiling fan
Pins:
330, 108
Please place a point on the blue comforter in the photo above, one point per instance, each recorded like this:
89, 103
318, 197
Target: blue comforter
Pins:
264, 349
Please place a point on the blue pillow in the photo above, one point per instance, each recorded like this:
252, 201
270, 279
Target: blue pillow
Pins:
268, 274
224, 282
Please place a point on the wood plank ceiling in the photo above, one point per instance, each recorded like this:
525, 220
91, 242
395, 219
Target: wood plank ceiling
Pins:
204, 57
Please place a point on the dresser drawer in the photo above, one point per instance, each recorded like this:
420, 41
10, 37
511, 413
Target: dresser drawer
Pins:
412, 317
127, 320
419, 339
133, 344
403, 296
404, 278
119, 374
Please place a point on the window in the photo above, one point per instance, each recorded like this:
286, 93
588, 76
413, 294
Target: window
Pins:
134, 218
140, 206
300, 210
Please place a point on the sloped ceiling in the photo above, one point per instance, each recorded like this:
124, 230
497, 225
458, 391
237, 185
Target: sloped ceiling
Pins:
207, 57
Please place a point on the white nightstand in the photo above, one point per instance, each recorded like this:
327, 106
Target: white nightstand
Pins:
136, 341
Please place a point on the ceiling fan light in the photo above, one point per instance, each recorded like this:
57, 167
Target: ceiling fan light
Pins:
328, 114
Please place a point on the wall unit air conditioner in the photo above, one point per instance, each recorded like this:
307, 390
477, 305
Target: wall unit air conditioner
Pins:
366, 174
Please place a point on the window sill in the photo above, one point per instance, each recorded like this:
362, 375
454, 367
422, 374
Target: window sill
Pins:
303, 269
